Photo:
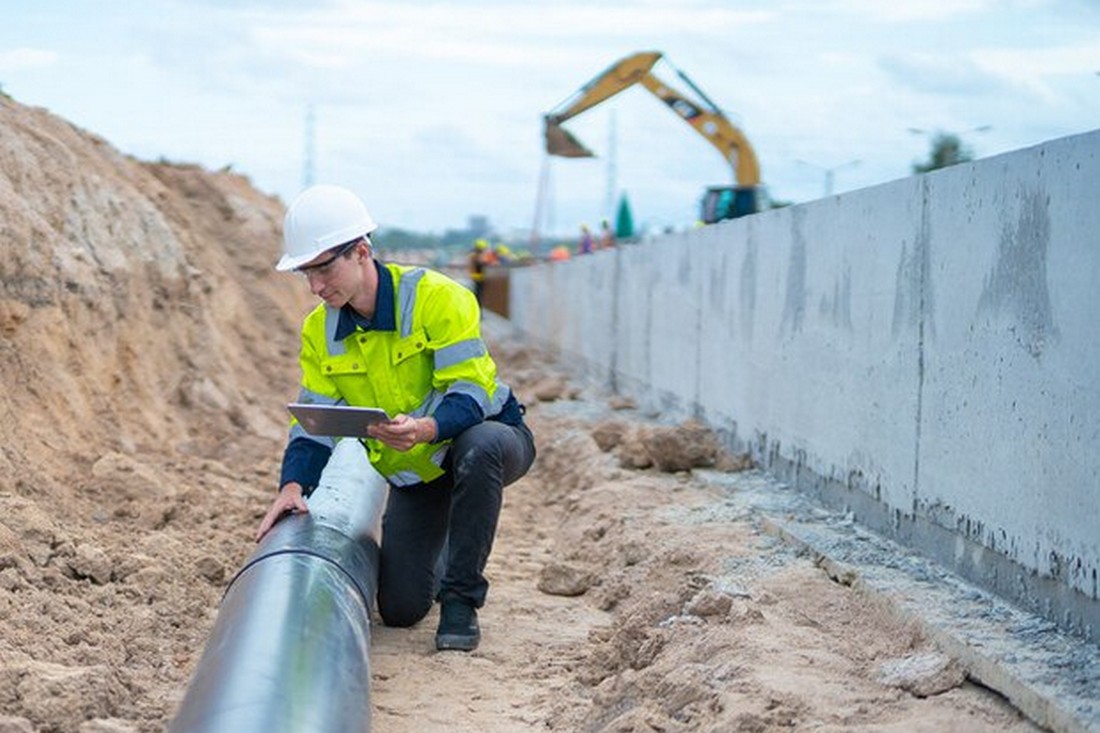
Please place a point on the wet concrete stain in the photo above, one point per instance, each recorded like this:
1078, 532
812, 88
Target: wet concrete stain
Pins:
1016, 289
794, 308
683, 269
718, 285
729, 306
913, 311
747, 291
837, 307
913, 288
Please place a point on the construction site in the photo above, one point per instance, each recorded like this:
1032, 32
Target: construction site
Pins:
757, 508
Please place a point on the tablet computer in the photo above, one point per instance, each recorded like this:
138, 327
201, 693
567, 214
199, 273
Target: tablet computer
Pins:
337, 421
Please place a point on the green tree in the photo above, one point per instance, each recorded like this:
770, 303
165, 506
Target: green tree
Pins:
395, 238
947, 150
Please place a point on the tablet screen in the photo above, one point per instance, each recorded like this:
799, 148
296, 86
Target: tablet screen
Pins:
337, 421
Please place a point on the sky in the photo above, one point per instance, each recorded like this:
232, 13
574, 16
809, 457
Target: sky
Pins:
432, 111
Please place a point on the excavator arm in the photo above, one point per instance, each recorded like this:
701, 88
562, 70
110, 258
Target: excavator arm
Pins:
703, 115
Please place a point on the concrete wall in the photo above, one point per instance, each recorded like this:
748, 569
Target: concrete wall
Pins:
924, 353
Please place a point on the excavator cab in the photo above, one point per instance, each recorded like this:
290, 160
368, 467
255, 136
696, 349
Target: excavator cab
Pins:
729, 202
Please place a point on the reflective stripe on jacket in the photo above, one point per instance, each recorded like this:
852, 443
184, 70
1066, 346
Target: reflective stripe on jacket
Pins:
435, 349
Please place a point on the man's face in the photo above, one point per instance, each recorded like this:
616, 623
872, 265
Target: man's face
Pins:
332, 275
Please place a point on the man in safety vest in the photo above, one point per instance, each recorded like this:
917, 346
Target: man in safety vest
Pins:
408, 340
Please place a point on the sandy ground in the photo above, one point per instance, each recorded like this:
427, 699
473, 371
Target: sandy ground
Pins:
146, 349
629, 599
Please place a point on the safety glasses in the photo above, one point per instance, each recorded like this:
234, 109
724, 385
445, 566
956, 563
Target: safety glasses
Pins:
324, 269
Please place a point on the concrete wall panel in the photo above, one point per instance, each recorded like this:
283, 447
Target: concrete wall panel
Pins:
1012, 405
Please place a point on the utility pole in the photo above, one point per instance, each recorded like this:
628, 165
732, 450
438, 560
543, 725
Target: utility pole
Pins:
544, 207
830, 173
612, 169
922, 131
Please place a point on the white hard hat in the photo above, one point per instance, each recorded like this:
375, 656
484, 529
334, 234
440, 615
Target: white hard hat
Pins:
320, 218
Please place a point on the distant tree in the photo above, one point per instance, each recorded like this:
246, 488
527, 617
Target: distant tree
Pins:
394, 238
947, 150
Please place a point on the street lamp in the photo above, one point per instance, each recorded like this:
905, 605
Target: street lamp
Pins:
921, 131
830, 172
947, 147
937, 134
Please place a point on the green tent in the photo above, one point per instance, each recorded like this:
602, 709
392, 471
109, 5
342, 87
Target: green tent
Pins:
624, 220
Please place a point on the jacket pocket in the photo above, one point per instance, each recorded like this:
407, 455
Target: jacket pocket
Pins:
412, 345
343, 365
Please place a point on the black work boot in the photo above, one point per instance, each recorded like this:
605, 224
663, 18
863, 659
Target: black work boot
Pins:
458, 627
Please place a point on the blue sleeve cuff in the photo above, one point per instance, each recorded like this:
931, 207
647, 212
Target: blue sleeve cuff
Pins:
303, 461
455, 413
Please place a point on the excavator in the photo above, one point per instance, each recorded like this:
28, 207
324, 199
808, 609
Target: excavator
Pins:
718, 202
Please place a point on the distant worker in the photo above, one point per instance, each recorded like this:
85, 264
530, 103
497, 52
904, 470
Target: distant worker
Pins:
607, 237
476, 267
559, 253
407, 340
586, 244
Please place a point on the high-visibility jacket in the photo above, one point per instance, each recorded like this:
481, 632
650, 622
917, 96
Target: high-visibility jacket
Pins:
477, 266
435, 349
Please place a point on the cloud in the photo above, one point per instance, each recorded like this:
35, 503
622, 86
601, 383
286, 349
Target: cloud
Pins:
26, 58
951, 74
1037, 69
910, 11
489, 33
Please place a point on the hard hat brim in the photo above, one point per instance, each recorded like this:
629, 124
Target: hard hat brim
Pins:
291, 262
288, 263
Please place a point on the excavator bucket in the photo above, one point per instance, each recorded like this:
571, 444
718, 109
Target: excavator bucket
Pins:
560, 141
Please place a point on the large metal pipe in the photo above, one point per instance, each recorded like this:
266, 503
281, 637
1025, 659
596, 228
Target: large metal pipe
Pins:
289, 649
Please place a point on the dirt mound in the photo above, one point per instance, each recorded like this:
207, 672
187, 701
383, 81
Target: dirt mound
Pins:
132, 297
145, 347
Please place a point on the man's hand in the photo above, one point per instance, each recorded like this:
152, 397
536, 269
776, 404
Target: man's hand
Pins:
288, 500
403, 432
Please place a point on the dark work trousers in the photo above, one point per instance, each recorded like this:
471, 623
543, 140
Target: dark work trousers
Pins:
459, 509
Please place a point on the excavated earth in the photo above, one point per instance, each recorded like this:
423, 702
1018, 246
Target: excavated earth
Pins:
147, 349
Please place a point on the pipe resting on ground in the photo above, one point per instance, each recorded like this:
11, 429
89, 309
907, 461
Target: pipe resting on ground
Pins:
289, 650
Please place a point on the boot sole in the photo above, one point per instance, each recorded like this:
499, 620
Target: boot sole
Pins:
456, 642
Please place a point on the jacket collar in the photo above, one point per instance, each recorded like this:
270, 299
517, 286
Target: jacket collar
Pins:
384, 317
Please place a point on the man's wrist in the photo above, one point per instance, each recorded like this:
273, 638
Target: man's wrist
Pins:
426, 430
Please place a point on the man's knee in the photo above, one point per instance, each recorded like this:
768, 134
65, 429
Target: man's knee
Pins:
402, 612
479, 448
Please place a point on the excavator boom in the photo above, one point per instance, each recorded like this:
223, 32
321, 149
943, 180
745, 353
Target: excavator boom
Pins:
703, 115
617, 77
